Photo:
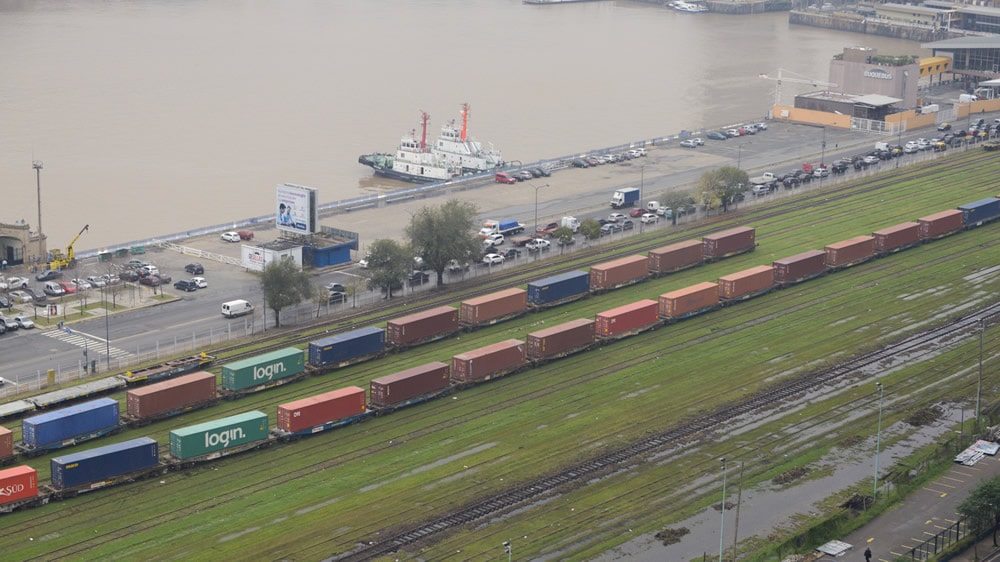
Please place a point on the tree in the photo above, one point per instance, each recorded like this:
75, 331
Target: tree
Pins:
722, 186
591, 229
676, 200
388, 263
563, 235
445, 233
982, 507
284, 284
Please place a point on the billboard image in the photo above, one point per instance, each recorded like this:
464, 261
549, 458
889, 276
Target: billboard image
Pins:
296, 209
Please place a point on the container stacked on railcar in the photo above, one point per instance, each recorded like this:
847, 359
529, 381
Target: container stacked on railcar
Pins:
19, 487
627, 320
262, 372
422, 327
746, 284
800, 267
558, 289
348, 348
7, 454
321, 412
69, 426
689, 301
169, 398
676, 257
493, 308
105, 466
562, 340
410, 386
220, 437
489, 362
849, 252
980, 212
939, 225
728, 243
618, 273
896, 238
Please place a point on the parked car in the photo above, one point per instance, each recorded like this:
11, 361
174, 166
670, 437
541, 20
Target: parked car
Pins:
336, 298
24, 322
335, 287
67, 287
523, 175
200, 282
9, 323
504, 177
944, 127
456, 266
540, 172
17, 283
692, 143
538, 244
150, 280
194, 268
164, 278
493, 259
149, 269
418, 277
649, 218
871, 159
637, 212
5, 302
48, 275
579, 163
511, 253
627, 225
186, 285
493, 240
129, 275
231, 236
716, 135
81, 284
20, 297
610, 228
245, 234
135, 264
615, 217
36, 297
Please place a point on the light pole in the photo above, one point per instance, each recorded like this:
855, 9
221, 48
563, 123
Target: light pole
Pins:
722, 522
899, 140
508, 549
37, 165
878, 438
107, 330
979, 382
537, 187
642, 181
739, 157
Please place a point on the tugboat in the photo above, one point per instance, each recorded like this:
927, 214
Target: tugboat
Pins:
412, 162
460, 151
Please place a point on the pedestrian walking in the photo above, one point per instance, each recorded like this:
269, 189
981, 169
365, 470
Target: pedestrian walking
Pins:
868, 555
3, 265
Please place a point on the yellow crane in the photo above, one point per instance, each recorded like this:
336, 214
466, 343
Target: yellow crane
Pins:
59, 259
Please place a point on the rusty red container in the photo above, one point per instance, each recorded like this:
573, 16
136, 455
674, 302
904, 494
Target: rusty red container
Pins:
170, 395
689, 301
619, 273
6, 442
940, 224
850, 252
315, 411
627, 319
729, 242
896, 238
400, 387
18, 483
423, 326
561, 340
746, 283
493, 308
675, 257
489, 362
800, 267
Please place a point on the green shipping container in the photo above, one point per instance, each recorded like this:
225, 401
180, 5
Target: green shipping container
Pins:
263, 369
218, 435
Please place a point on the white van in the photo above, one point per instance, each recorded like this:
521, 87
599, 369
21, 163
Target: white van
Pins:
53, 289
232, 309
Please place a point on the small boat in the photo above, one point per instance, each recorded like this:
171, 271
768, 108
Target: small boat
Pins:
687, 7
460, 151
413, 161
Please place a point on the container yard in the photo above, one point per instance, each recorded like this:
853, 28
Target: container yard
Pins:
313, 413
729, 243
747, 283
618, 273
422, 327
263, 370
676, 257
489, 362
493, 308
627, 320
558, 289
344, 349
799, 268
940, 224
170, 396
561, 340
850, 252
896, 238
689, 301
399, 388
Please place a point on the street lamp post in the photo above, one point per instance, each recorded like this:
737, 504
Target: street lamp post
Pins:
509, 549
642, 181
722, 522
537, 187
878, 438
979, 382
37, 165
107, 330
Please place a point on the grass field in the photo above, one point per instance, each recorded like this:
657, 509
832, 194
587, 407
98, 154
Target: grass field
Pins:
320, 496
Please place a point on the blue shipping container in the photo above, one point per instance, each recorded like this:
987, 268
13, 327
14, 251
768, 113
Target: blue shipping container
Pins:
104, 463
345, 347
980, 211
60, 425
559, 288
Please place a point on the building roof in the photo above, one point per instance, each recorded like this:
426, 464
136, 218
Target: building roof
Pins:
991, 42
876, 100
907, 8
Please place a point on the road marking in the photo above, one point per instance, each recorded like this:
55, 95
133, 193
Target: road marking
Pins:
955, 479
85, 341
946, 485
930, 533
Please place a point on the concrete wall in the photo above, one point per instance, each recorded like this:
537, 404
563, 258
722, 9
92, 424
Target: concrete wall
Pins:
859, 24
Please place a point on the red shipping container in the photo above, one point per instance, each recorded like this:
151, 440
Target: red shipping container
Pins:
729, 242
493, 307
18, 483
675, 257
488, 362
898, 237
170, 395
6, 443
618, 273
423, 326
850, 252
689, 301
324, 408
561, 340
628, 319
940, 224
746, 283
799, 267
411, 383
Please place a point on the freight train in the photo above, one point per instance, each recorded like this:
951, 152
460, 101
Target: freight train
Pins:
124, 462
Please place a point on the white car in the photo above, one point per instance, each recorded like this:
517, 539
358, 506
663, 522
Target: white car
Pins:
538, 244
761, 126
24, 322
200, 282
493, 259
689, 143
96, 281
231, 236
81, 283
17, 283
363, 263
649, 218
616, 217
20, 297
493, 240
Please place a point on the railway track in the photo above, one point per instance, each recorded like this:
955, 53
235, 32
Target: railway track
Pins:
499, 503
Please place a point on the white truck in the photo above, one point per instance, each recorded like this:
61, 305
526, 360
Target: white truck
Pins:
507, 227
571, 223
762, 179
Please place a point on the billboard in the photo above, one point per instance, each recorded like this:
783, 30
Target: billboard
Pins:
296, 209
255, 257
